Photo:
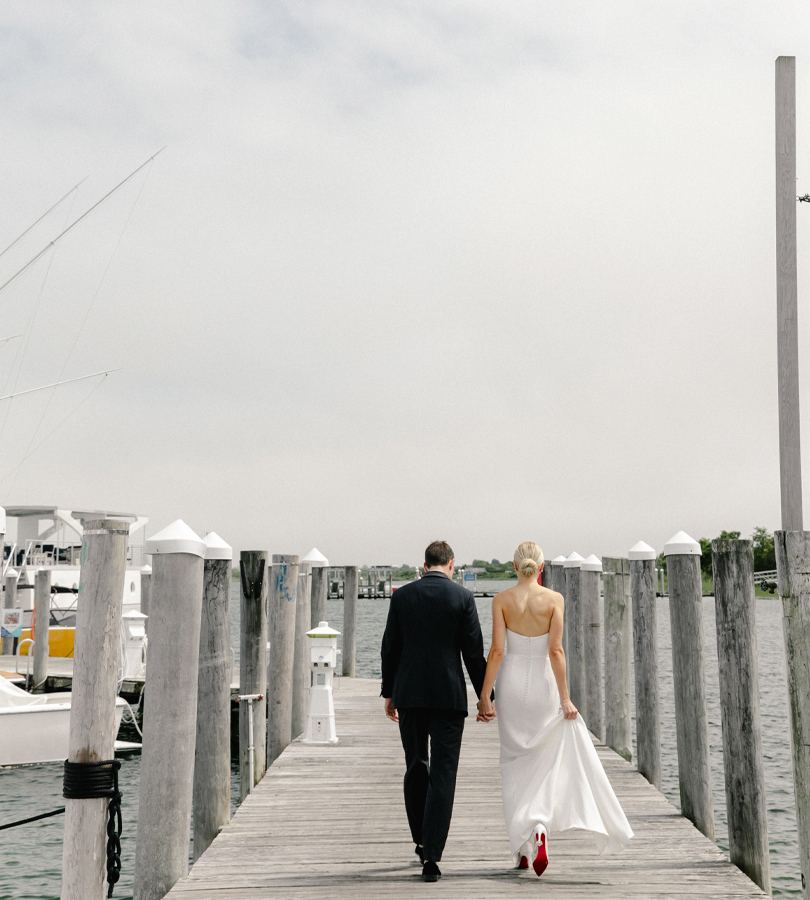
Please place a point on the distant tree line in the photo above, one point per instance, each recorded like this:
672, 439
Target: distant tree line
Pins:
764, 553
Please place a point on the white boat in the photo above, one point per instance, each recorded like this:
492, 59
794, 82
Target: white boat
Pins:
36, 728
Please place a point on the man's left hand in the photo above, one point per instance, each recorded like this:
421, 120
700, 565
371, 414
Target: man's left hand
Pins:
389, 709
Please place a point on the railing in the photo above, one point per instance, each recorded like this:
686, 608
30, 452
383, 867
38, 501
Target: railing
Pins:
770, 575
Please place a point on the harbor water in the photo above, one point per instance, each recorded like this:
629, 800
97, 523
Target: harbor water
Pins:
31, 855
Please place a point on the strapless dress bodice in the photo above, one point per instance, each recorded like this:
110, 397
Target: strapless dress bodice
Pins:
522, 645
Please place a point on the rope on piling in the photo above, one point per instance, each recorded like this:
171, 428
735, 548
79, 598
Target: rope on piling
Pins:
94, 780
47, 815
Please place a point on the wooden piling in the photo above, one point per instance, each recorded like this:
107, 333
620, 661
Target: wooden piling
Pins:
92, 710
301, 670
170, 715
618, 655
42, 604
349, 620
10, 602
645, 661
574, 662
254, 581
590, 570
689, 678
735, 615
281, 626
320, 587
146, 588
793, 575
212, 756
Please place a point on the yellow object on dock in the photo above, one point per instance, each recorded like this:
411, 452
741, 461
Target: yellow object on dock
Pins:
60, 641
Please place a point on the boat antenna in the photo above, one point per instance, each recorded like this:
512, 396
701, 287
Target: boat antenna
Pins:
59, 383
73, 224
11, 337
46, 213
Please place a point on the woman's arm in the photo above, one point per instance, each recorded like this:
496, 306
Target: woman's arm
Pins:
556, 655
486, 708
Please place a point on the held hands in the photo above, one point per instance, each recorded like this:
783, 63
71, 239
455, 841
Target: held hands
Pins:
569, 710
486, 710
390, 711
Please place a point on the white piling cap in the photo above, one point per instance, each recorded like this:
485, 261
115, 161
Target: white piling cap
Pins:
315, 558
175, 538
216, 547
681, 543
591, 564
12, 573
574, 561
2, 519
146, 570
641, 551
134, 614
323, 630
558, 559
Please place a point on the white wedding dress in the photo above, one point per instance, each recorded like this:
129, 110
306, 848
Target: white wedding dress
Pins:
552, 776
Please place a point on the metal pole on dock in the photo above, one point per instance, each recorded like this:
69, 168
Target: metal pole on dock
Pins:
10, 602
212, 758
146, 590
170, 715
301, 670
572, 625
689, 678
281, 627
734, 608
320, 585
590, 570
618, 655
645, 661
349, 620
254, 581
92, 708
42, 603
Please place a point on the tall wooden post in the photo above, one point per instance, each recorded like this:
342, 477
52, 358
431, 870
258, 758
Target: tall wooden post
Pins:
254, 581
734, 607
42, 601
146, 590
212, 756
618, 655
689, 677
281, 627
170, 715
92, 709
301, 670
10, 602
320, 586
645, 660
592, 644
572, 625
349, 620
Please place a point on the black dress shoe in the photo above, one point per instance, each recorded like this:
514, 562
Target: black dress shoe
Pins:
420, 852
431, 872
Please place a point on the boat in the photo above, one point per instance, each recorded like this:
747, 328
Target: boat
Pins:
35, 728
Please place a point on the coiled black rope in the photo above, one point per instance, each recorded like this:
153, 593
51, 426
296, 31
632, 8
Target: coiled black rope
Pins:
93, 780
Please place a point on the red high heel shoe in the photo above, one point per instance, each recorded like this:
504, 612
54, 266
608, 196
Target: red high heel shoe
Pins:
541, 859
524, 862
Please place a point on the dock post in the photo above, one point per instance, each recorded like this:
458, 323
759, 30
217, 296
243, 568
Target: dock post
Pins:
42, 601
590, 569
349, 621
689, 678
10, 602
301, 670
645, 659
618, 655
146, 589
734, 608
572, 624
253, 665
793, 575
320, 586
92, 708
170, 715
212, 756
281, 627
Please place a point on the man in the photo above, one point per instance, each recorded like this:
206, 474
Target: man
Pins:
432, 623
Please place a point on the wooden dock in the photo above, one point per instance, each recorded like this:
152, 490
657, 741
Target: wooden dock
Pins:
329, 822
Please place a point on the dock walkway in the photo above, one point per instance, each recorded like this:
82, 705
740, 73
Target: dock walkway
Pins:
329, 822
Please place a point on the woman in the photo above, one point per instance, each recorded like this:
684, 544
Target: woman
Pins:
552, 777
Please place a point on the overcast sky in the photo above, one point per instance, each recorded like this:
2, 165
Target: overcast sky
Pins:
485, 272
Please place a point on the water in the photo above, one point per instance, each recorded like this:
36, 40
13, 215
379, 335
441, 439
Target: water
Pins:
31, 856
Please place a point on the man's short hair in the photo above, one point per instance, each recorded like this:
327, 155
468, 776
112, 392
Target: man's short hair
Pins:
439, 553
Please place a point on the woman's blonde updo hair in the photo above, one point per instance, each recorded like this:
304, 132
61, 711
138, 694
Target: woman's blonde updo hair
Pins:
528, 558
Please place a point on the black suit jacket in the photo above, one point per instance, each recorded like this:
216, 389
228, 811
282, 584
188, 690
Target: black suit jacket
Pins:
432, 623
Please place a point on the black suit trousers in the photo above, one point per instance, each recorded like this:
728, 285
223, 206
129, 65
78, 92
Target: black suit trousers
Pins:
430, 773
